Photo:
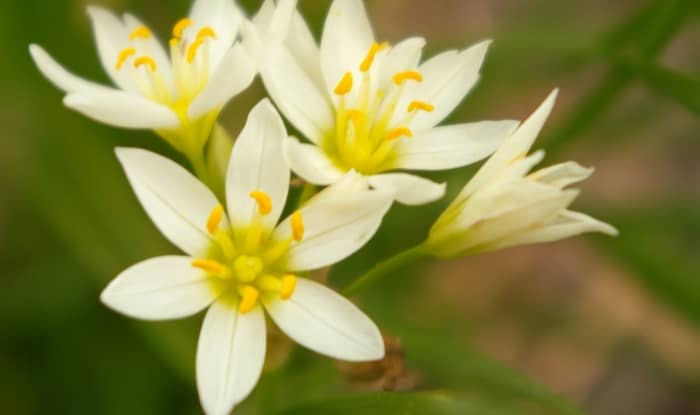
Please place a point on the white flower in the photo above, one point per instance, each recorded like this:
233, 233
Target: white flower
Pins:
178, 94
504, 205
366, 106
241, 263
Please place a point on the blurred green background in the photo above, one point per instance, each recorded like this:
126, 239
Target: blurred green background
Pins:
590, 325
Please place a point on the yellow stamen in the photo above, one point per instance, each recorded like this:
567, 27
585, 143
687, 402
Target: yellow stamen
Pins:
289, 284
263, 200
174, 42
215, 219
297, 226
206, 32
146, 60
398, 133
270, 283
355, 115
192, 50
345, 84
276, 251
140, 32
249, 298
180, 26
402, 77
420, 105
369, 59
226, 244
123, 56
215, 268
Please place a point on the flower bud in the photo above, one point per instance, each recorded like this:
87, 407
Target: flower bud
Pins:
506, 205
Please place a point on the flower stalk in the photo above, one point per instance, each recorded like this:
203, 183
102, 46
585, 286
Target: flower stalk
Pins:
386, 268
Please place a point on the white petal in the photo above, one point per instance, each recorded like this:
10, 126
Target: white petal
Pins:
176, 201
564, 225
452, 146
402, 57
310, 163
347, 36
160, 288
302, 45
562, 175
448, 77
112, 37
325, 322
263, 16
235, 74
295, 94
150, 47
230, 356
257, 163
516, 146
517, 220
61, 78
335, 227
225, 18
123, 109
297, 37
350, 183
409, 189
523, 138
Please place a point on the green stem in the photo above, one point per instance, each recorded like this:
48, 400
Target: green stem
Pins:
307, 192
385, 268
199, 165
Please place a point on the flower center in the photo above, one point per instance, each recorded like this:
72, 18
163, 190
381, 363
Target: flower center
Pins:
246, 265
366, 129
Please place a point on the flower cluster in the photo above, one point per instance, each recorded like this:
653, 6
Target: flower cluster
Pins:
368, 112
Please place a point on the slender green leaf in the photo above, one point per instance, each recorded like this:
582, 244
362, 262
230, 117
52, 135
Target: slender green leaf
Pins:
679, 87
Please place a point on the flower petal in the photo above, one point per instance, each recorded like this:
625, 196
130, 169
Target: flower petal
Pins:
404, 56
122, 109
517, 145
336, 227
347, 36
566, 224
325, 322
225, 18
295, 94
297, 38
235, 74
112, 37
176, 201
452, 146
350, 183
61, 78
563, 174
162, 288
257, 163
310, 163
302, 45
408, 189
448, 78
230, 356
521, 218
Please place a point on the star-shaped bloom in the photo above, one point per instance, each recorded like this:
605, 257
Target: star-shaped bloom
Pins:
368, 106
241, 263
179, 93
505, 205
